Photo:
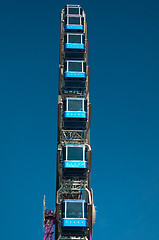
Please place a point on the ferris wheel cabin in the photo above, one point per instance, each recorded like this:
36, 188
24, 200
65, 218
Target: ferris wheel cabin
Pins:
74, 23
74, 45
74, 74
74, 113
75, 160
74, 216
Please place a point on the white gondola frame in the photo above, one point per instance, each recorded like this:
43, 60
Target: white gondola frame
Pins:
84, 150
68, 61
68, 34
65, 217
73, 6
67, 21
78, 99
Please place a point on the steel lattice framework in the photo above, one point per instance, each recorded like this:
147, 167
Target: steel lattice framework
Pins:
72, 187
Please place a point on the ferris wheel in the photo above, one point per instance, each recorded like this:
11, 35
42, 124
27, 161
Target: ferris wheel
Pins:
74, 213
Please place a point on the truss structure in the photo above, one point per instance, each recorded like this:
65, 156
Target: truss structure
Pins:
71, 187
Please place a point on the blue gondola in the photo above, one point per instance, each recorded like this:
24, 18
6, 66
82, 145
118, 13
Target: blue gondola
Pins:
73, 10
75, 160
74, 74
74, 23
74, 113
74, 45
74, 215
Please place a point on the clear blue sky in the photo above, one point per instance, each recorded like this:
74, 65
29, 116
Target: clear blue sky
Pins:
124, 61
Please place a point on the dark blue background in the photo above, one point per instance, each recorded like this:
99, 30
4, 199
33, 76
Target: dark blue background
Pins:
124, 61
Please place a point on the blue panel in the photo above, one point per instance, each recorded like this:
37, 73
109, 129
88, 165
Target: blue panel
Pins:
74, 222
74, 46
75, 75
75, 164
73, 98
75, 145
74, 27
75, 115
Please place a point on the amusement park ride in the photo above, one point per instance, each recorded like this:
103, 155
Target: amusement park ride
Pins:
74, 213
